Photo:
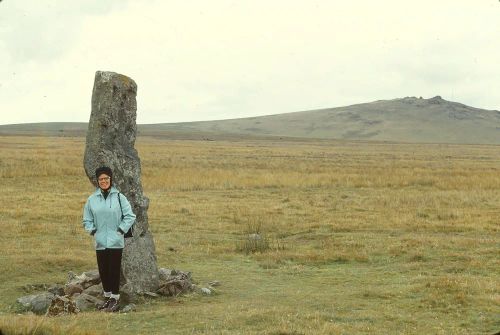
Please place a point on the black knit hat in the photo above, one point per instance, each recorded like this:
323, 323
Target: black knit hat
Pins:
103, 169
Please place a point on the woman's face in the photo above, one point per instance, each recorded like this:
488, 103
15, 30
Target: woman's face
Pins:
104, 181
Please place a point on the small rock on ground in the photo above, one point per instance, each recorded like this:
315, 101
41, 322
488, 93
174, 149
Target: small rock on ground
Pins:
206, 291
214, 283
128, 308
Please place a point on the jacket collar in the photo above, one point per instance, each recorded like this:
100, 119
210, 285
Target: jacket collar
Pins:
112, 190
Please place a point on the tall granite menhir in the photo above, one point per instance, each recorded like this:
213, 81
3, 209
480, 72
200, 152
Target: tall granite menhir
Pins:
110, 142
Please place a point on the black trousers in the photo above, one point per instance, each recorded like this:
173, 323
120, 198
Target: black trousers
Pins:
109, 262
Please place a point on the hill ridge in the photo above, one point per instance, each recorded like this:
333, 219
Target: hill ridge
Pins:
408, 119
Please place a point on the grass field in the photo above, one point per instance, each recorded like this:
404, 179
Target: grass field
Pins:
363, 238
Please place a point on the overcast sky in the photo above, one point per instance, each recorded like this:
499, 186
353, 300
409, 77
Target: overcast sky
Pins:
206, 60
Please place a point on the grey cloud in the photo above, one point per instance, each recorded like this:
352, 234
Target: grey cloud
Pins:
42, 31
435, 63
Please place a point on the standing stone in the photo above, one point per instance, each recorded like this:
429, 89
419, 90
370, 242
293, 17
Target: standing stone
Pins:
110, 142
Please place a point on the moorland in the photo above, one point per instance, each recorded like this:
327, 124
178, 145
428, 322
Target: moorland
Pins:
361, 237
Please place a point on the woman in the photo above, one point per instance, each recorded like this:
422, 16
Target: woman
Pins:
107, 215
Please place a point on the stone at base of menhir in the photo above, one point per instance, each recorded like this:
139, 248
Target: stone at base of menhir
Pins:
56, 289
85, 280
174, 282
85, 302
61, 306
36, 303
72, 289
95, 291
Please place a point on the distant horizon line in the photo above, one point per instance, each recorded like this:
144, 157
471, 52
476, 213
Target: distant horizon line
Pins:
248, 117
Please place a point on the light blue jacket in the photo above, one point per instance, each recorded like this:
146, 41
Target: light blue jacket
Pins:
104, 215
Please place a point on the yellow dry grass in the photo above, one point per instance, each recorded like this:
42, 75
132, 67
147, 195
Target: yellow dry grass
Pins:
365, 238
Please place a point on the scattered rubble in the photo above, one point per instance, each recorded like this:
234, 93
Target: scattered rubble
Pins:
84, 293
86, 302
62, 305
174, 282
36, 303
